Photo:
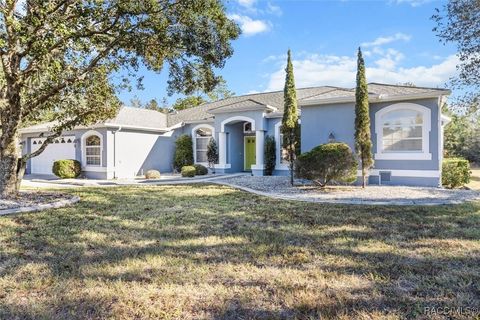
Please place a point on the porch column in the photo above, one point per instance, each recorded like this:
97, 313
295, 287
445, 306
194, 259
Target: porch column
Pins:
222, 149
259, 147
257, 169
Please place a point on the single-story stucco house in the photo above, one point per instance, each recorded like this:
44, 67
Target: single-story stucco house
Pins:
406, 128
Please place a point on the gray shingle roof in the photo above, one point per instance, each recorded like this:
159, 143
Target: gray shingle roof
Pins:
128, 116
153, 119
275, 99
240, 105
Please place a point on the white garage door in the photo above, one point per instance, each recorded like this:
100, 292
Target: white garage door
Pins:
62, 148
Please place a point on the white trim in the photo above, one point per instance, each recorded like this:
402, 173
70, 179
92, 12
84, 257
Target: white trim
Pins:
258, 167
403, 156
374, 98
95, 169
140, 128
86, 167
236, 118
194, 140
223, 166
425, 154
404, 173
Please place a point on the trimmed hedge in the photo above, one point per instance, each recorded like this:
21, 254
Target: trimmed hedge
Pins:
330, 162
152, 174
183, 152
200, 170
67, 169
188, 171
455, 172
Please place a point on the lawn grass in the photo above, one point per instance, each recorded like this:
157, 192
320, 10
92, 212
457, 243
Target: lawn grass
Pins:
203, 251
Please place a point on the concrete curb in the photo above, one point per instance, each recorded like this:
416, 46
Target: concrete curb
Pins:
41, 207
349, 202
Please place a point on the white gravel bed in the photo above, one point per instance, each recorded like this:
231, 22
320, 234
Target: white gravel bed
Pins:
32, 199
279, 187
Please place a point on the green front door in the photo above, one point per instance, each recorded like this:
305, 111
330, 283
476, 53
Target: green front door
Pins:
249, 152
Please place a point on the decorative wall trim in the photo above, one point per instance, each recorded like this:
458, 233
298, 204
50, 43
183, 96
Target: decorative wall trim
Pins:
236, 118
405, 173
425, 154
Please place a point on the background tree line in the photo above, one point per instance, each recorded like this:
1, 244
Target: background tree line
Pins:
462, 134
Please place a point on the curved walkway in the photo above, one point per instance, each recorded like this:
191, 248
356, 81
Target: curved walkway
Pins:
279, 188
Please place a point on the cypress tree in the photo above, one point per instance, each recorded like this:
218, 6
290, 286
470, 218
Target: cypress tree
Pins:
290, 117
363, 142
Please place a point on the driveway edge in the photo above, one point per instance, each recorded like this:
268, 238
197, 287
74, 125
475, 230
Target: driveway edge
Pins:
41, 207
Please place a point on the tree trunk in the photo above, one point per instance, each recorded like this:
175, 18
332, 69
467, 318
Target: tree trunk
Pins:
9, 162
22, 165
364, 178
291, 172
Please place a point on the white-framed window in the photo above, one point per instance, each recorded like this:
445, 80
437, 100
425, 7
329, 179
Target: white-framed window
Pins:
93, 151
403, 131
281, 162
201, 136
247, 127
282, 152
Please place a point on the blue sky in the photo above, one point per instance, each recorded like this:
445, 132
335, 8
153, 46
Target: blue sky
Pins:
396, 37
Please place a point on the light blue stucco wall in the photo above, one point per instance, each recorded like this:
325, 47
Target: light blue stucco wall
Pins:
26, 140
319, 121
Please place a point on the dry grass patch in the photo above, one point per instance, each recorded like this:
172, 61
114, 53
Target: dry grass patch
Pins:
475, 179
203, 252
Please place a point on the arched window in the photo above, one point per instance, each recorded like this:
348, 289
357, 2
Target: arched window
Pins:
93, 154
403, 132
202, 137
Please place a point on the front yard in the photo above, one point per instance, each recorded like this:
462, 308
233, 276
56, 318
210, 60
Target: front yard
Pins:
203, 251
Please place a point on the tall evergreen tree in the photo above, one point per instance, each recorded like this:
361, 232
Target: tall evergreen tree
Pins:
290, 117
212, 154
363, 141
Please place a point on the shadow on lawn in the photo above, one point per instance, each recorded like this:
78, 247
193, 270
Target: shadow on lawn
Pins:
397, 248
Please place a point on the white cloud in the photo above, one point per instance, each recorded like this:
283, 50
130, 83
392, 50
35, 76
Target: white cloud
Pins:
316, 70
384, 40
250, 26
273, 9
246, 3
413, 3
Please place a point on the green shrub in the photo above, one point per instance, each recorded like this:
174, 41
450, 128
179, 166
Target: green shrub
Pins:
200, 170
67, 169
331, 162
270, 155
152, 174
455, 172
183, 152
188, 171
